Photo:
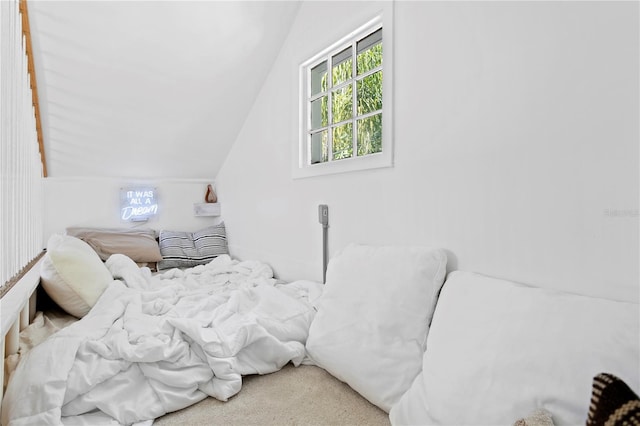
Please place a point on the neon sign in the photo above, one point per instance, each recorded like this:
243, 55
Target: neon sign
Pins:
138, 204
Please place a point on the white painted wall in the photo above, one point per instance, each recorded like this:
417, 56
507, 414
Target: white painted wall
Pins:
516, 146
165, 82
95, 202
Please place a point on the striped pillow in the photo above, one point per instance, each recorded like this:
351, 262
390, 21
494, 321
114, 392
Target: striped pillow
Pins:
188, 249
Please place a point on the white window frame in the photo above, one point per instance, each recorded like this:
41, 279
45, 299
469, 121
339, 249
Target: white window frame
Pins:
302, 166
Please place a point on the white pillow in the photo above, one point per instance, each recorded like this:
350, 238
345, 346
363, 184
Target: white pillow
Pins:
373, 317
498, 350
73, 275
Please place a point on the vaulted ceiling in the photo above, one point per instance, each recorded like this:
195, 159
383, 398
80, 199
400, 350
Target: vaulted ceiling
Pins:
150, 89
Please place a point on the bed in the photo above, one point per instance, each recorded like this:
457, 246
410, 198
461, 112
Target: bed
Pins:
385, 334
148, 344
152, 343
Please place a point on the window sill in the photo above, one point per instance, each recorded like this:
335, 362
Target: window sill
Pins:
371, 161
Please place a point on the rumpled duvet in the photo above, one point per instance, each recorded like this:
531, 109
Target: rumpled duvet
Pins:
153, 344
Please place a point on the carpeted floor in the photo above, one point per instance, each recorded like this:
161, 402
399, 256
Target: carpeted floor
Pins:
305, 395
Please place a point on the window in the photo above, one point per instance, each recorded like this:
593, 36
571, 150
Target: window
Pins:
343, 119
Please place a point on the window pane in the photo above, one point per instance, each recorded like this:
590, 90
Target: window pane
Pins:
319, 147
342, 104
368, 41
370, 93
319, 113
319, 78
342, 66
369, 56
370, 135
343, 141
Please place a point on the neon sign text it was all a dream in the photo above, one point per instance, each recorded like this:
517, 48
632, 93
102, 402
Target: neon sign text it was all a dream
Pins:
139, 205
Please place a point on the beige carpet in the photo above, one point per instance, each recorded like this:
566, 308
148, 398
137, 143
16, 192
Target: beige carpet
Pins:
305, 395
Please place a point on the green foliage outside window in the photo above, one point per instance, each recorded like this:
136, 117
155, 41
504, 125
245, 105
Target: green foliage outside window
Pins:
368, 100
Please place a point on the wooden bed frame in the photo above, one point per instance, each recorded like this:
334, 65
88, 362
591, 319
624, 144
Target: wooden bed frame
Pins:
17, 310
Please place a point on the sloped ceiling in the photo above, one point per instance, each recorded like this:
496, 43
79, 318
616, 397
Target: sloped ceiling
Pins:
150, 89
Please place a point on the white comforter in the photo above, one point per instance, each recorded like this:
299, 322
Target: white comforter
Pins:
156, 344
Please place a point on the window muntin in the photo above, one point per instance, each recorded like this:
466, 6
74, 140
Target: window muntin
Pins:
344, 108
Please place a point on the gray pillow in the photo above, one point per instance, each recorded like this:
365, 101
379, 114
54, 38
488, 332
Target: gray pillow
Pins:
188, 249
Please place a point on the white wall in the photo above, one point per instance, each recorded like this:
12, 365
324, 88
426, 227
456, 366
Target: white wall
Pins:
95, 202
516, 146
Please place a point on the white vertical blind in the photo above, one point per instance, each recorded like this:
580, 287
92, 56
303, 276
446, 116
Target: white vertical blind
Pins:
21, 209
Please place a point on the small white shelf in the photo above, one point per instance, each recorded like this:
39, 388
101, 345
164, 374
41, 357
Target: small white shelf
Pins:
206, 209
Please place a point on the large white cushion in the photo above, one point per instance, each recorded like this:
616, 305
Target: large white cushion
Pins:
73, 275
498, 351
373, 317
